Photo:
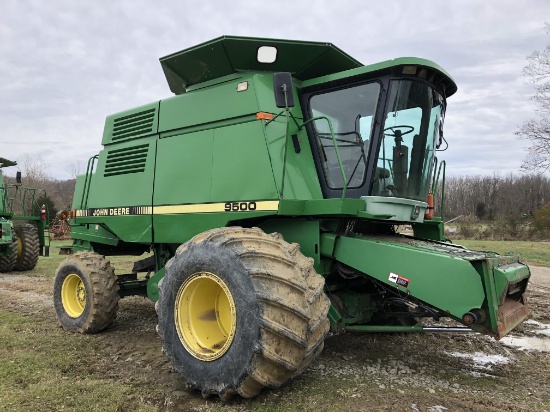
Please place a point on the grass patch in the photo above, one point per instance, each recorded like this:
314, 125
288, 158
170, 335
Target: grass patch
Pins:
537, 253
50, 370
48, 265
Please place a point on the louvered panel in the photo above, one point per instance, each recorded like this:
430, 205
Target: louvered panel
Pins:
133, 125
127, 160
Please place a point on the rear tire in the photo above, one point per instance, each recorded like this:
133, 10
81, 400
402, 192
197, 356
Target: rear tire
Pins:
240, 310
7, 262
85, 293
28, 247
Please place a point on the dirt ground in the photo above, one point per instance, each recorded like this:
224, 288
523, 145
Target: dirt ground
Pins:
391, 372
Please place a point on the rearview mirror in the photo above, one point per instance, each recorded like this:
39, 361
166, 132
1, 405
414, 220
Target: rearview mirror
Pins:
283, 89
18, 178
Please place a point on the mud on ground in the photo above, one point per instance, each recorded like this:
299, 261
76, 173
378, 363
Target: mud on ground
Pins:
380, 372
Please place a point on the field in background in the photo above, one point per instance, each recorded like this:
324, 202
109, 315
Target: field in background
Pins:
537, 253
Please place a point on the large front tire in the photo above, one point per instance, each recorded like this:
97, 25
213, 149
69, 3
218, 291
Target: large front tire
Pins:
85, 293
28, 247
240, 310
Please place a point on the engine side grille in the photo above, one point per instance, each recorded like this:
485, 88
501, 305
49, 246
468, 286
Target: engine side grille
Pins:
133, 125
127, 160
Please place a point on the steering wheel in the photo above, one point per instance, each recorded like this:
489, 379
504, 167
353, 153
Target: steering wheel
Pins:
408, 129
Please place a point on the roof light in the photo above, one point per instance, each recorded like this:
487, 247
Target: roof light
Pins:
409, 70
242, 86
267, 54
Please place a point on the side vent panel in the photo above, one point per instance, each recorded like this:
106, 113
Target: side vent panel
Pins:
131, 124
134, 125
125, 161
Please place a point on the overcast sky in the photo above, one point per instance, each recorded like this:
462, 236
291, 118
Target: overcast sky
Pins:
66, 65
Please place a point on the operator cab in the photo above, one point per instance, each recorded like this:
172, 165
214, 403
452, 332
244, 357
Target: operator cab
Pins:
385, 129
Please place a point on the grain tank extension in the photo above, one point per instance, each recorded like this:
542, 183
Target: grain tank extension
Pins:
269, 191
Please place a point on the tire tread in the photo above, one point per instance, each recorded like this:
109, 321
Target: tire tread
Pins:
104, 294
286, 288
30, 247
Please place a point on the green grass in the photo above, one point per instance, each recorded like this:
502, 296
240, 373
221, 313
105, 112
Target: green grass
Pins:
48, 265
46, 369
537, 253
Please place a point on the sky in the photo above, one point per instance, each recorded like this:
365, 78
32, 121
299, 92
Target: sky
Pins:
65, 65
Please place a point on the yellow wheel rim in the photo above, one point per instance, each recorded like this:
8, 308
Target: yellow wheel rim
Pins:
73, 295
205, 316
19, 248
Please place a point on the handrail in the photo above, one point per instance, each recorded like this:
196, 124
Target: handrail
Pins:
434, 186
24, 198
435, 182
4, 200
87, 181
335, 148
282, 194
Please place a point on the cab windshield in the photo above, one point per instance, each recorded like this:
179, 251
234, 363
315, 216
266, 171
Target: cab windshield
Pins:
402, 152
351, 113
412, 127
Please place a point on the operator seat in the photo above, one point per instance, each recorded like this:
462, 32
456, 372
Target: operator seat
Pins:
381, 179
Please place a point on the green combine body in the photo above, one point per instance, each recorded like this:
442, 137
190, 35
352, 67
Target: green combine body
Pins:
270, 190
22, 244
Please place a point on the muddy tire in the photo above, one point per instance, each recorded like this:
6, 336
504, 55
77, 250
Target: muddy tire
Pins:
28, 247
7, 262
240, 310
85, 293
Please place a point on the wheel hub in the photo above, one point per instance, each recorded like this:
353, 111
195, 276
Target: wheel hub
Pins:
81, 294
73, 295
205, 316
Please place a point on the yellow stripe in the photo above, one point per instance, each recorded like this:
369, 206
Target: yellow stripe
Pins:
268, 205
262, 206
271, 205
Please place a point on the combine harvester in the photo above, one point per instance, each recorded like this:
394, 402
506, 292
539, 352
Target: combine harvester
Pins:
269, 189
21, 244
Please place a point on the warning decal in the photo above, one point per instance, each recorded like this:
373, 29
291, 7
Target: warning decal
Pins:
399, 280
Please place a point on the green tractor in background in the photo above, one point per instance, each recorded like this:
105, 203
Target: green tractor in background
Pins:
270, 190
21, 244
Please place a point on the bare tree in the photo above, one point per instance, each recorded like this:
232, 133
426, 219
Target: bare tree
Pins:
74, 168
537, 131
35, 169
494, 197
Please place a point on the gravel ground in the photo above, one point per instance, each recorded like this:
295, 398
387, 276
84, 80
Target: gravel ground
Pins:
387, 372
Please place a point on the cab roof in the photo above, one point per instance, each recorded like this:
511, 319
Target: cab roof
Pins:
310, 62
230, 54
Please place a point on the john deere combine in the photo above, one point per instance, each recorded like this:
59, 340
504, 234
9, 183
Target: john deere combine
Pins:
269, 190
20, 245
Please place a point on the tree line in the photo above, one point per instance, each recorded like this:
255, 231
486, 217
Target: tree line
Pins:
489, 198
500, 208
507, 201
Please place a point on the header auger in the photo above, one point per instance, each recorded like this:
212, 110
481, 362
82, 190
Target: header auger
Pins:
269, 190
